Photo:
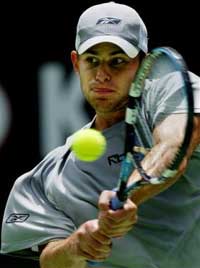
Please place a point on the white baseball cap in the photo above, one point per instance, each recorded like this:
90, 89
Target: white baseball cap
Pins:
111, 22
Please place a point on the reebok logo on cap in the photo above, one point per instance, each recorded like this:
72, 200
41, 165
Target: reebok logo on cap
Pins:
108, 20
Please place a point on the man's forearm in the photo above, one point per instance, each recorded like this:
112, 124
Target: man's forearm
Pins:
61, 254
86, 243
157, 160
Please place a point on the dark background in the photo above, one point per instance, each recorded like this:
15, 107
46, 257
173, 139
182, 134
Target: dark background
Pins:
32, 34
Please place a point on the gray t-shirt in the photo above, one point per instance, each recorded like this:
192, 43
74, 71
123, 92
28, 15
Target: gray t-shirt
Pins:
60, 193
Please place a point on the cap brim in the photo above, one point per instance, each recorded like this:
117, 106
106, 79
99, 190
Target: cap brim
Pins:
127, 47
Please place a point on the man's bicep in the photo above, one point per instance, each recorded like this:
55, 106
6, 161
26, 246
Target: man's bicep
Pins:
172, 128
195, 139
171, 132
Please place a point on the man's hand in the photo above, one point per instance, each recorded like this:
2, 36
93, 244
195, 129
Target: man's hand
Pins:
91, 242
115, 223
86, 243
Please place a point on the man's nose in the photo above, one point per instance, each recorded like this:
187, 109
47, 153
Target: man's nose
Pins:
103, 73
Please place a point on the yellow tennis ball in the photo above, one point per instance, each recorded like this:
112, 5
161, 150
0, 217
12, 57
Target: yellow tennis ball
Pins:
88, 144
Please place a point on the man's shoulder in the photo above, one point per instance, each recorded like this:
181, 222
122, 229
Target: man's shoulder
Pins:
57, 153
60, 151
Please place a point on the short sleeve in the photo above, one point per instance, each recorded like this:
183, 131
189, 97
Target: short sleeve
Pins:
165, 96
30, 219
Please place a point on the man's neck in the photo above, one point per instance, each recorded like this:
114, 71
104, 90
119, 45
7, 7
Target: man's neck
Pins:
105, 121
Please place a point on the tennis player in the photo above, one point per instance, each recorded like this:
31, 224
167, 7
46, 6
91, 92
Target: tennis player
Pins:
58, 213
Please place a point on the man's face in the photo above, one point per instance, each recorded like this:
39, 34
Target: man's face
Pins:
106, 74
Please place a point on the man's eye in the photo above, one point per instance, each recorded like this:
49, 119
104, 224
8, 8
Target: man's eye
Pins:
92, 60
116, 61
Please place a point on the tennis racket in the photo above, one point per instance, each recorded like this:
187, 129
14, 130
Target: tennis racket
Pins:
162, 63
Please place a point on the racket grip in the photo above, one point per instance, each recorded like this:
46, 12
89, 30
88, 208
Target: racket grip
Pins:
93, 263
115, 203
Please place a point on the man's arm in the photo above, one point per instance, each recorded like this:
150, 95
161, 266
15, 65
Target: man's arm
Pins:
85, 243
162, 154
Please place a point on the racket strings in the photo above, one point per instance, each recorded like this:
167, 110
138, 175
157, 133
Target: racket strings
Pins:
189, 122
170, 61
141, 150
159, 63
142, 74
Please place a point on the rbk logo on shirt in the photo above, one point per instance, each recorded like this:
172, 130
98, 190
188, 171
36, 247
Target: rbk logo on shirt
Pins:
115, 159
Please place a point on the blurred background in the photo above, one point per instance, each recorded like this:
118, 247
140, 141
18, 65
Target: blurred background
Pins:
40, 99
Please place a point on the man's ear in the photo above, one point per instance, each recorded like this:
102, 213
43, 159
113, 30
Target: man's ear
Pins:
74, 59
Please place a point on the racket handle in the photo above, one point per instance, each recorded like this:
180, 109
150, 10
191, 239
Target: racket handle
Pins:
115, 203
93, 263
